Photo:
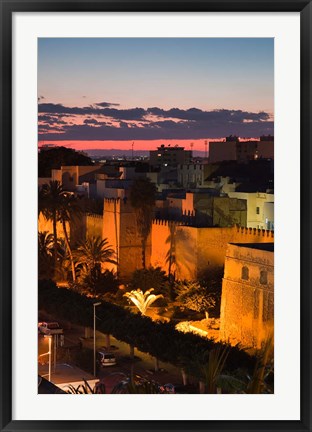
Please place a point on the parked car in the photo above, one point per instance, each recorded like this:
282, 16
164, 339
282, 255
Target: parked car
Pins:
105, 358
49, 328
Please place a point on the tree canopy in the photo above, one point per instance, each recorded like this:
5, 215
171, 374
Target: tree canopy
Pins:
194, 296
55, 157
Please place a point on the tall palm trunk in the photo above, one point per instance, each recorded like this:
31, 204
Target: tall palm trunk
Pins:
69, 250
143, 253
54, 243
116, 238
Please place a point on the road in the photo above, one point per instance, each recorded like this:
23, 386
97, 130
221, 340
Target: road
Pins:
144, 364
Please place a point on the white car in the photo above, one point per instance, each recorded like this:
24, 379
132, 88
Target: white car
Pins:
106, 358
49, 328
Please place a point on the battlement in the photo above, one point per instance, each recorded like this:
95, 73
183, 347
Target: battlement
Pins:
167, 222
111, 200
118, 205
94, 216
255, 231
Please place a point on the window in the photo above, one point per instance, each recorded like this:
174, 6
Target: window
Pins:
245, 273
263, 277
258, 210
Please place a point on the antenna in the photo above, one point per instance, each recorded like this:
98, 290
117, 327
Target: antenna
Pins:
206, 149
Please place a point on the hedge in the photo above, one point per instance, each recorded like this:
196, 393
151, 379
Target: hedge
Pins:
159, 339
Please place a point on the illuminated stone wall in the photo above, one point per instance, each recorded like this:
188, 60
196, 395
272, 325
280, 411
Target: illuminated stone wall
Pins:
90, 225
47, 225
120, 228
197, 251
94, 225
247, 305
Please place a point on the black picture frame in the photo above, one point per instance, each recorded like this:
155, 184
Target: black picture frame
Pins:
7, 9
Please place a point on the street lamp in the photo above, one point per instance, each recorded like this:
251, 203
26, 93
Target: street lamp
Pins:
49, 352
94, 338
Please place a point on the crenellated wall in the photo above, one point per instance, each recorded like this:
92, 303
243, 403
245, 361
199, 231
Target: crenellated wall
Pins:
197, 251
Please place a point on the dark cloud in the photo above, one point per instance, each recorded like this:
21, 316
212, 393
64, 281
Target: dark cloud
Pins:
215, 115
174, 123
127, 114
91, 121
106, 104
51, 120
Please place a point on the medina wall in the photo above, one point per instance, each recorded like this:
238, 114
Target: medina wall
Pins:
120, 229
174, 245
47, 225
94, 225
196, 252
247, 306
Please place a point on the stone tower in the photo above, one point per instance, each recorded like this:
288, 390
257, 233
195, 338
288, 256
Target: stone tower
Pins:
120, 229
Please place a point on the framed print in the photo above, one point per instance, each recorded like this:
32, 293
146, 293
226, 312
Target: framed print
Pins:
155, 204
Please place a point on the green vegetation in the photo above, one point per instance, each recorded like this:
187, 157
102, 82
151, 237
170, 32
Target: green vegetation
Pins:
194, 296
58, 205
142, 300
55, 157
159, 339
153, 277
89, 257
85, 388
50, 198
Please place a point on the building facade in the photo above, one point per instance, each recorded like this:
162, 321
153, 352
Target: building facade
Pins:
170, 156
260, 208
247, 302
232, 148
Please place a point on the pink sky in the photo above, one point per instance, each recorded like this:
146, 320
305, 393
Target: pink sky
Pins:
199, 145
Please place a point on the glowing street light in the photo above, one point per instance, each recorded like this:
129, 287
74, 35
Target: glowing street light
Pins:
94, 338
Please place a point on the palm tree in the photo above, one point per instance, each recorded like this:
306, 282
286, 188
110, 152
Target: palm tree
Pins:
99, 388
50, 199
142, 300
142, 198
69, 210
90, 256
212, 369
171, 254
45, 254
263, 368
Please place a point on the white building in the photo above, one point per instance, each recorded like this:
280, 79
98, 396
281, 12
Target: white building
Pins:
260, 208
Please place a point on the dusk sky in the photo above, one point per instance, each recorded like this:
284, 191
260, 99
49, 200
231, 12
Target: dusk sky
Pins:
108, 92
